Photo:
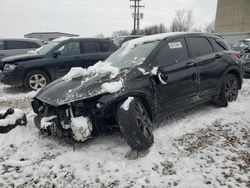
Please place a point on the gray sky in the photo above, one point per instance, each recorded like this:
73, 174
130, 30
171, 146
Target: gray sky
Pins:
92, 17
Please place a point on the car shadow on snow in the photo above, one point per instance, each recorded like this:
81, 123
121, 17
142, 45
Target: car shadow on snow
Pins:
14, 90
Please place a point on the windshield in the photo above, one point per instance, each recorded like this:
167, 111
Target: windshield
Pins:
124, 57
46, 48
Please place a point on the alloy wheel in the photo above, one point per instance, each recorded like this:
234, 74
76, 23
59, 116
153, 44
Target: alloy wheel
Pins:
231, 90
37, 81
143, 120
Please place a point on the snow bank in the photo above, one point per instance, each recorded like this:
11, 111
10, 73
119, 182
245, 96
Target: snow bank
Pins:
92, 71
126, 104
11, 119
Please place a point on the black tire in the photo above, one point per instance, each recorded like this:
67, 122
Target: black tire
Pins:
135, 125
229, 91
41, 81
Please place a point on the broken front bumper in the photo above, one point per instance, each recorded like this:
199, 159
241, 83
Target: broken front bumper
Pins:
64, 121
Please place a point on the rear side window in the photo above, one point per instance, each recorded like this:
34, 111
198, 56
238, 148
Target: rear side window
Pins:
104, 46
88, 47
218, 46
12, 45
1, 45
32, 45
199, 46
173, 52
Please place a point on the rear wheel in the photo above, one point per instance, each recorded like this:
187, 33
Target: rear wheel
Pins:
135, 125
229, 91
35, 80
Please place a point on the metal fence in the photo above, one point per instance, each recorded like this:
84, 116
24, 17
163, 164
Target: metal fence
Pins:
235, 37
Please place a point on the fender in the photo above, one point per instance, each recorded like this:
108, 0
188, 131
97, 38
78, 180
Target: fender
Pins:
234, 70
113, 101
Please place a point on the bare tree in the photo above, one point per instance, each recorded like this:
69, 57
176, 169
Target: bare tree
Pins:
183, 20
120, 33
154, 29
209, 28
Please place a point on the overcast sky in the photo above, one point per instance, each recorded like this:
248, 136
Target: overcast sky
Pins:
92, 17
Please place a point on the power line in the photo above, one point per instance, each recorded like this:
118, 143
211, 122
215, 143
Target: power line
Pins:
137, 15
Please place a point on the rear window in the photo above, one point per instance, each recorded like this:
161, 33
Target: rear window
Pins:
1, 45
217, 45
33, 45
104, 46
12, 45
89, 47
199, 46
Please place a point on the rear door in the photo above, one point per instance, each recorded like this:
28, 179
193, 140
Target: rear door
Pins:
177, 76
208, 62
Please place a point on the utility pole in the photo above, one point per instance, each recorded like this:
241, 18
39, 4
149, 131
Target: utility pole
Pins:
137, 15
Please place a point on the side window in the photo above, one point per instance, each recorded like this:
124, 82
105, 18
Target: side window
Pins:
32, 45
12, 45
89, 47
199, 46
69, 49
1, 45
217, 45
104, 46
174, 51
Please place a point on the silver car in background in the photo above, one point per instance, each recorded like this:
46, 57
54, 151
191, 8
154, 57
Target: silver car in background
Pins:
16, 46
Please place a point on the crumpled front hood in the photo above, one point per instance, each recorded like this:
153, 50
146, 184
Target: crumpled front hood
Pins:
80, 87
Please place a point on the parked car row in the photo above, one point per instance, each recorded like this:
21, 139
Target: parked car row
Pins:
14, 46
54, 60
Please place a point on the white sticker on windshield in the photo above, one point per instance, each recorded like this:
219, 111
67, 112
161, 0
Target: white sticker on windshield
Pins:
173, 45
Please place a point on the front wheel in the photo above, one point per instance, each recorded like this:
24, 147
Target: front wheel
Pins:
229, 91
35, 80
135, 125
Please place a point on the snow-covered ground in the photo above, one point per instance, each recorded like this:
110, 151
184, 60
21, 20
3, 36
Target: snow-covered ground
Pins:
202, 147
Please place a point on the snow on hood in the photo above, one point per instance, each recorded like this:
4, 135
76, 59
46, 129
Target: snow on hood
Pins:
93, 71
112, 87
80, 84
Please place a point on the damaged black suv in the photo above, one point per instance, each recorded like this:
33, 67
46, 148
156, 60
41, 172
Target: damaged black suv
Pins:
144, 79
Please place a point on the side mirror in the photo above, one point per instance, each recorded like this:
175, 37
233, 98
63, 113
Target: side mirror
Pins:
57, 53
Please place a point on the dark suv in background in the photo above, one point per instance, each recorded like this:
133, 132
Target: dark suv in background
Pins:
144, 79
15, 46
54, 60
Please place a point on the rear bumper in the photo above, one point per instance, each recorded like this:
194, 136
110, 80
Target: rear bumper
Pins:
14, 77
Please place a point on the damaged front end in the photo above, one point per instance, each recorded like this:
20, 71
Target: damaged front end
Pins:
65, 122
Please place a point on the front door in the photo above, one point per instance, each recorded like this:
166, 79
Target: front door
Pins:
69, 57
177, 84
